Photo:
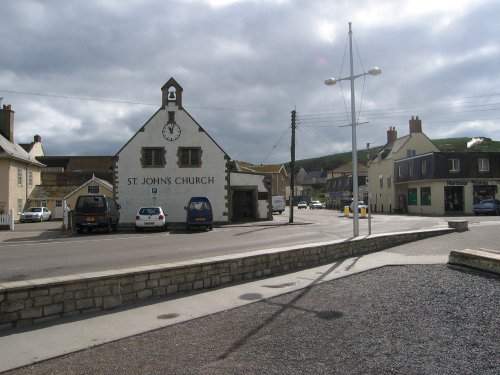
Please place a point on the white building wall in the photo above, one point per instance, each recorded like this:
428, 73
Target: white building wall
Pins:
174, 185
243, 179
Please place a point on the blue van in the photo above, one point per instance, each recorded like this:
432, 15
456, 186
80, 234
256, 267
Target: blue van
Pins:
199, 213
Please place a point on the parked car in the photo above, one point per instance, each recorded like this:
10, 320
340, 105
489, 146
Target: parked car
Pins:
487, 206
315, 205
278, 202
96, 211
302, 204
361, 205
35, 214
150, 217
199, 213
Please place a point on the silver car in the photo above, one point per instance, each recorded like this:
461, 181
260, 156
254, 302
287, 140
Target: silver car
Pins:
36, 214
150, 217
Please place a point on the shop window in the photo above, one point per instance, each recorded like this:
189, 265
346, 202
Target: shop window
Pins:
153, 157
412, 197
484, 165
93, 189
454, 165
19, 176
189, 157
425, 196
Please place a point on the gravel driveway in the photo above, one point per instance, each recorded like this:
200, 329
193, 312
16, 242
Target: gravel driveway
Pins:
393, 320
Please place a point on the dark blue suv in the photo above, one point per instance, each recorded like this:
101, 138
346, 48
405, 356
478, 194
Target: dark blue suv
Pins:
199, 213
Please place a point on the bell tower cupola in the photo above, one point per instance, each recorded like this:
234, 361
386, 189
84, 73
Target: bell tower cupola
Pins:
171, 94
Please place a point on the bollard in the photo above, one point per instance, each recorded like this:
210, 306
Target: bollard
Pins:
363, 212
346, 211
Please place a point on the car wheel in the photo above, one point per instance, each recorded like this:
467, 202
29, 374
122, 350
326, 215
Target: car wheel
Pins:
137, 229
41, 218
165, 227
114, 227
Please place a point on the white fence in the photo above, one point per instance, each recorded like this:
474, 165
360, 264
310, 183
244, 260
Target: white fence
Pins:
7, 220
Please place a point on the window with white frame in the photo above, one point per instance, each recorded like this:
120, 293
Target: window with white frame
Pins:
424, 167
58, 203
19, 176
410, 153
454, 165
484, 164
93, 189
19, 206
43, 203
400, 171
381, 181
30, 178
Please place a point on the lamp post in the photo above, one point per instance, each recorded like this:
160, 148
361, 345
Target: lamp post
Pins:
330, 82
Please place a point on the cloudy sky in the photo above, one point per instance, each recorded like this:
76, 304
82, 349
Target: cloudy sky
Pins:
86, 75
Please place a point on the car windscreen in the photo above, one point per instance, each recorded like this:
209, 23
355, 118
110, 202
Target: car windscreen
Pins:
149, 211
199, 206
35, 209
91, 204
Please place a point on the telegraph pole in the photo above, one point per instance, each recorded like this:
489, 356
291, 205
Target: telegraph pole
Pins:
292, 168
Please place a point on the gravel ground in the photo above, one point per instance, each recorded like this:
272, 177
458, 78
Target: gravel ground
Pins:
393, 320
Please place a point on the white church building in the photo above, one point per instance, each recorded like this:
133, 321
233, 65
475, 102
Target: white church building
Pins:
171, 158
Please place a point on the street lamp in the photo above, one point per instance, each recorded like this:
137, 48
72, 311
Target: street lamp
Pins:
330, 82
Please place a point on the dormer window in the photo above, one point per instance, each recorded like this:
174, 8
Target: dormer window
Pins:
454, 165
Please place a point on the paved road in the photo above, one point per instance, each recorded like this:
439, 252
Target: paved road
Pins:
349, 317
29, 252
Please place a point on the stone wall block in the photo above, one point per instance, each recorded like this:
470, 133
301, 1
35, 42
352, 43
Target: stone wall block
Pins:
15, 296
34, 312
144, 294
62, 297
101, 291
150, 284
83, 294
13, 306
85, 303
198, 284
140, 278
38, 292
69, 307
160, 291
165, 281
110, 302
53, 309
155, 276
56, 290
139, 286
172, 289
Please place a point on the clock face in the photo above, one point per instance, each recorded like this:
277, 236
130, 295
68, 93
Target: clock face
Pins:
171, 131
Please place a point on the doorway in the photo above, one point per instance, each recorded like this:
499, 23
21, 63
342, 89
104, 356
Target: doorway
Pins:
243, 205
453, 199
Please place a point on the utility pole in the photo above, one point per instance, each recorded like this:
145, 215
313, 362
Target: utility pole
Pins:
368, 189
292, 168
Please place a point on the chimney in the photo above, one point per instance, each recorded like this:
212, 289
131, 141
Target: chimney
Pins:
392, 134
7, 122
415, 125
37, 139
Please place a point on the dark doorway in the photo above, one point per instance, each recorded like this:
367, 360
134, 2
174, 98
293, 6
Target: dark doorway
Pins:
453, 199
243, 205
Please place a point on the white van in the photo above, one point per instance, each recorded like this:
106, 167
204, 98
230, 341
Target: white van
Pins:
278, 204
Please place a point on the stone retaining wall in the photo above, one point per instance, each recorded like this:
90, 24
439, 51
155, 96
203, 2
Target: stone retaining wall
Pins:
30, 302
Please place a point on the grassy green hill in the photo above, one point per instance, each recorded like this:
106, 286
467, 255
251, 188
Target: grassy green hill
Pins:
330, 162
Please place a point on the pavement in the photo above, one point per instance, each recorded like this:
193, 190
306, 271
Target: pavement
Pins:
23, 347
